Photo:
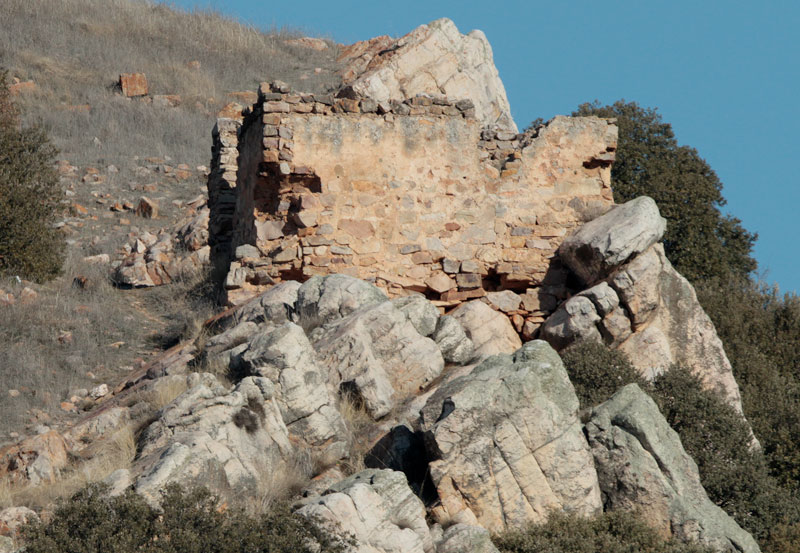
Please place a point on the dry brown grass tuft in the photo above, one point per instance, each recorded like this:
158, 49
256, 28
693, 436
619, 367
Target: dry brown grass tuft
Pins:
114, 452
282, 485
6, 499
103, 330
358, 422
51, 343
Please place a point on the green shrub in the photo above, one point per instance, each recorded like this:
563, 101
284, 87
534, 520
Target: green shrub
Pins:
718, 439
613, 532
30, 246
190, 521
597, 372
736, 478
700, 241
761, 333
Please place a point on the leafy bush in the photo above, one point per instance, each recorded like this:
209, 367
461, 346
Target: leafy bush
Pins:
597, 372
735, 476
29, 194
92, 522
700, 241
761, 333
612, 532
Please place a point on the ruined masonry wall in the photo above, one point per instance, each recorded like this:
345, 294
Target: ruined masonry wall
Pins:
412, 196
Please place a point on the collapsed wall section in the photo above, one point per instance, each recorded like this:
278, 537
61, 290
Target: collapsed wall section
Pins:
413, 196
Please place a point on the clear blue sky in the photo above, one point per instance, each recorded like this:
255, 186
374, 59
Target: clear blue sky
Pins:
726, 74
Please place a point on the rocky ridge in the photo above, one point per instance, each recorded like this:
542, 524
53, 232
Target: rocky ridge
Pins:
469, 430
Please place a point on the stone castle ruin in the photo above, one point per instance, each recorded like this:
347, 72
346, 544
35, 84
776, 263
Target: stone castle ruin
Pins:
414, 177
427, 194
400, 240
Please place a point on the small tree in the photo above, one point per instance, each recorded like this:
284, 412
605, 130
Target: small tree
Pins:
700, 241
29, 196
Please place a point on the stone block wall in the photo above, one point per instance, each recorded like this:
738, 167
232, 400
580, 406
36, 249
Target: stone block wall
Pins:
413, 196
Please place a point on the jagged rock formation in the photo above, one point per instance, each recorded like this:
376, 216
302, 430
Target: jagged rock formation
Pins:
227, 440
433, 59
378, 509
391, 250
482, 447
642, 466
506, 443
636, 301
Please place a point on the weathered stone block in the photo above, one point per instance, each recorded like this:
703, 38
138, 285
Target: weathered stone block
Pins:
133, 84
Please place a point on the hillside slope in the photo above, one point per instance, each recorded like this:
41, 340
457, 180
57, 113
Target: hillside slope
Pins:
74, 51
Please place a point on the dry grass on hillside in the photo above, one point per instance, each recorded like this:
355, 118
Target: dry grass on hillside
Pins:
114, 452
74, 50
71, 338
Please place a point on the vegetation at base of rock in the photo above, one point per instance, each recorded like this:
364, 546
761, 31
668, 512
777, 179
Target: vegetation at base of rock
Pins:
700, 241
761, 332
189, 521
612, 532
30, 246
759, 327
735, 477
597, 371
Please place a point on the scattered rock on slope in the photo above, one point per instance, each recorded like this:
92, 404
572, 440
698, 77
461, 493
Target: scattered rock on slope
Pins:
642, 466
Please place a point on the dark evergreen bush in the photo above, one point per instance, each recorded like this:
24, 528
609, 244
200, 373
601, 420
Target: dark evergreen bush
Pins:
700, 241
597, 372
190, 522
734, 474
613, 532
30, 246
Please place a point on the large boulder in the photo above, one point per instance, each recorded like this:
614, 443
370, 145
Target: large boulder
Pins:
642, 466
377, 353
462, 538
671, 326
324, 299
491, 332
378, 509
506, 443
230, 441
422, 313
432, 59
574, 321
612, 239
452, 340
308, 407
